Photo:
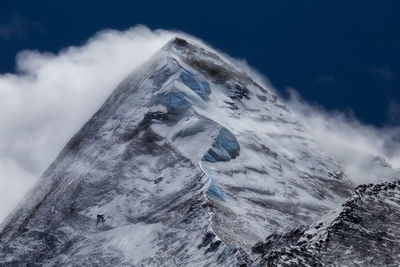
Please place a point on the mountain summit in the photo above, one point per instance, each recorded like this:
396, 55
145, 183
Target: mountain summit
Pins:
190, 162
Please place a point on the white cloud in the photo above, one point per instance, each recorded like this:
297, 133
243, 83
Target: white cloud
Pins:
52, 95
365, 152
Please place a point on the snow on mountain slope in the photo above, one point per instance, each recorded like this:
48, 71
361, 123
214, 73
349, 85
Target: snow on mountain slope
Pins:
280, 178
364, 231
188, 162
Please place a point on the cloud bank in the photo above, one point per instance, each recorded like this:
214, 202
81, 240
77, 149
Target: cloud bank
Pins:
52, 95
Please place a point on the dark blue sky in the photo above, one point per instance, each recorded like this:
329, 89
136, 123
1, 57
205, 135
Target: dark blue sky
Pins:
341, 54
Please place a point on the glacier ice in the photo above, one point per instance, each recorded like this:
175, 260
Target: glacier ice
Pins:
224, 148
196, 83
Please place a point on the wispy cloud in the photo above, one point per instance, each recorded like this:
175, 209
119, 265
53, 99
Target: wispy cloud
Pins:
19, 27
325, 79
366, 153
385, 73
394, 112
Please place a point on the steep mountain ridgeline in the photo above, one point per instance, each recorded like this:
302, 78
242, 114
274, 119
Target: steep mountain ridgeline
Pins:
364, 231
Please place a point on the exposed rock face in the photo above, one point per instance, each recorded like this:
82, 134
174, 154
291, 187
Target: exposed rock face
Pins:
189, 162
363, 232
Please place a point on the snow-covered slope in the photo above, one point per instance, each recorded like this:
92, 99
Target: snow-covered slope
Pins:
364, 231
189, 162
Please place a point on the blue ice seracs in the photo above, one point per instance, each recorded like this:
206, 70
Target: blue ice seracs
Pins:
225, 147
200, 86
215, 190
176, 101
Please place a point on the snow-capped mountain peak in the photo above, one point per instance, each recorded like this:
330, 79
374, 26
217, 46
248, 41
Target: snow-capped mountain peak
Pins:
188, 162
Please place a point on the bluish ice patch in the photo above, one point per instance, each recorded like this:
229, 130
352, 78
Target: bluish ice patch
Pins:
228, 141
210, 158
219, 154
200, 86
161, 75
225, 147
176, 101
215, 190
